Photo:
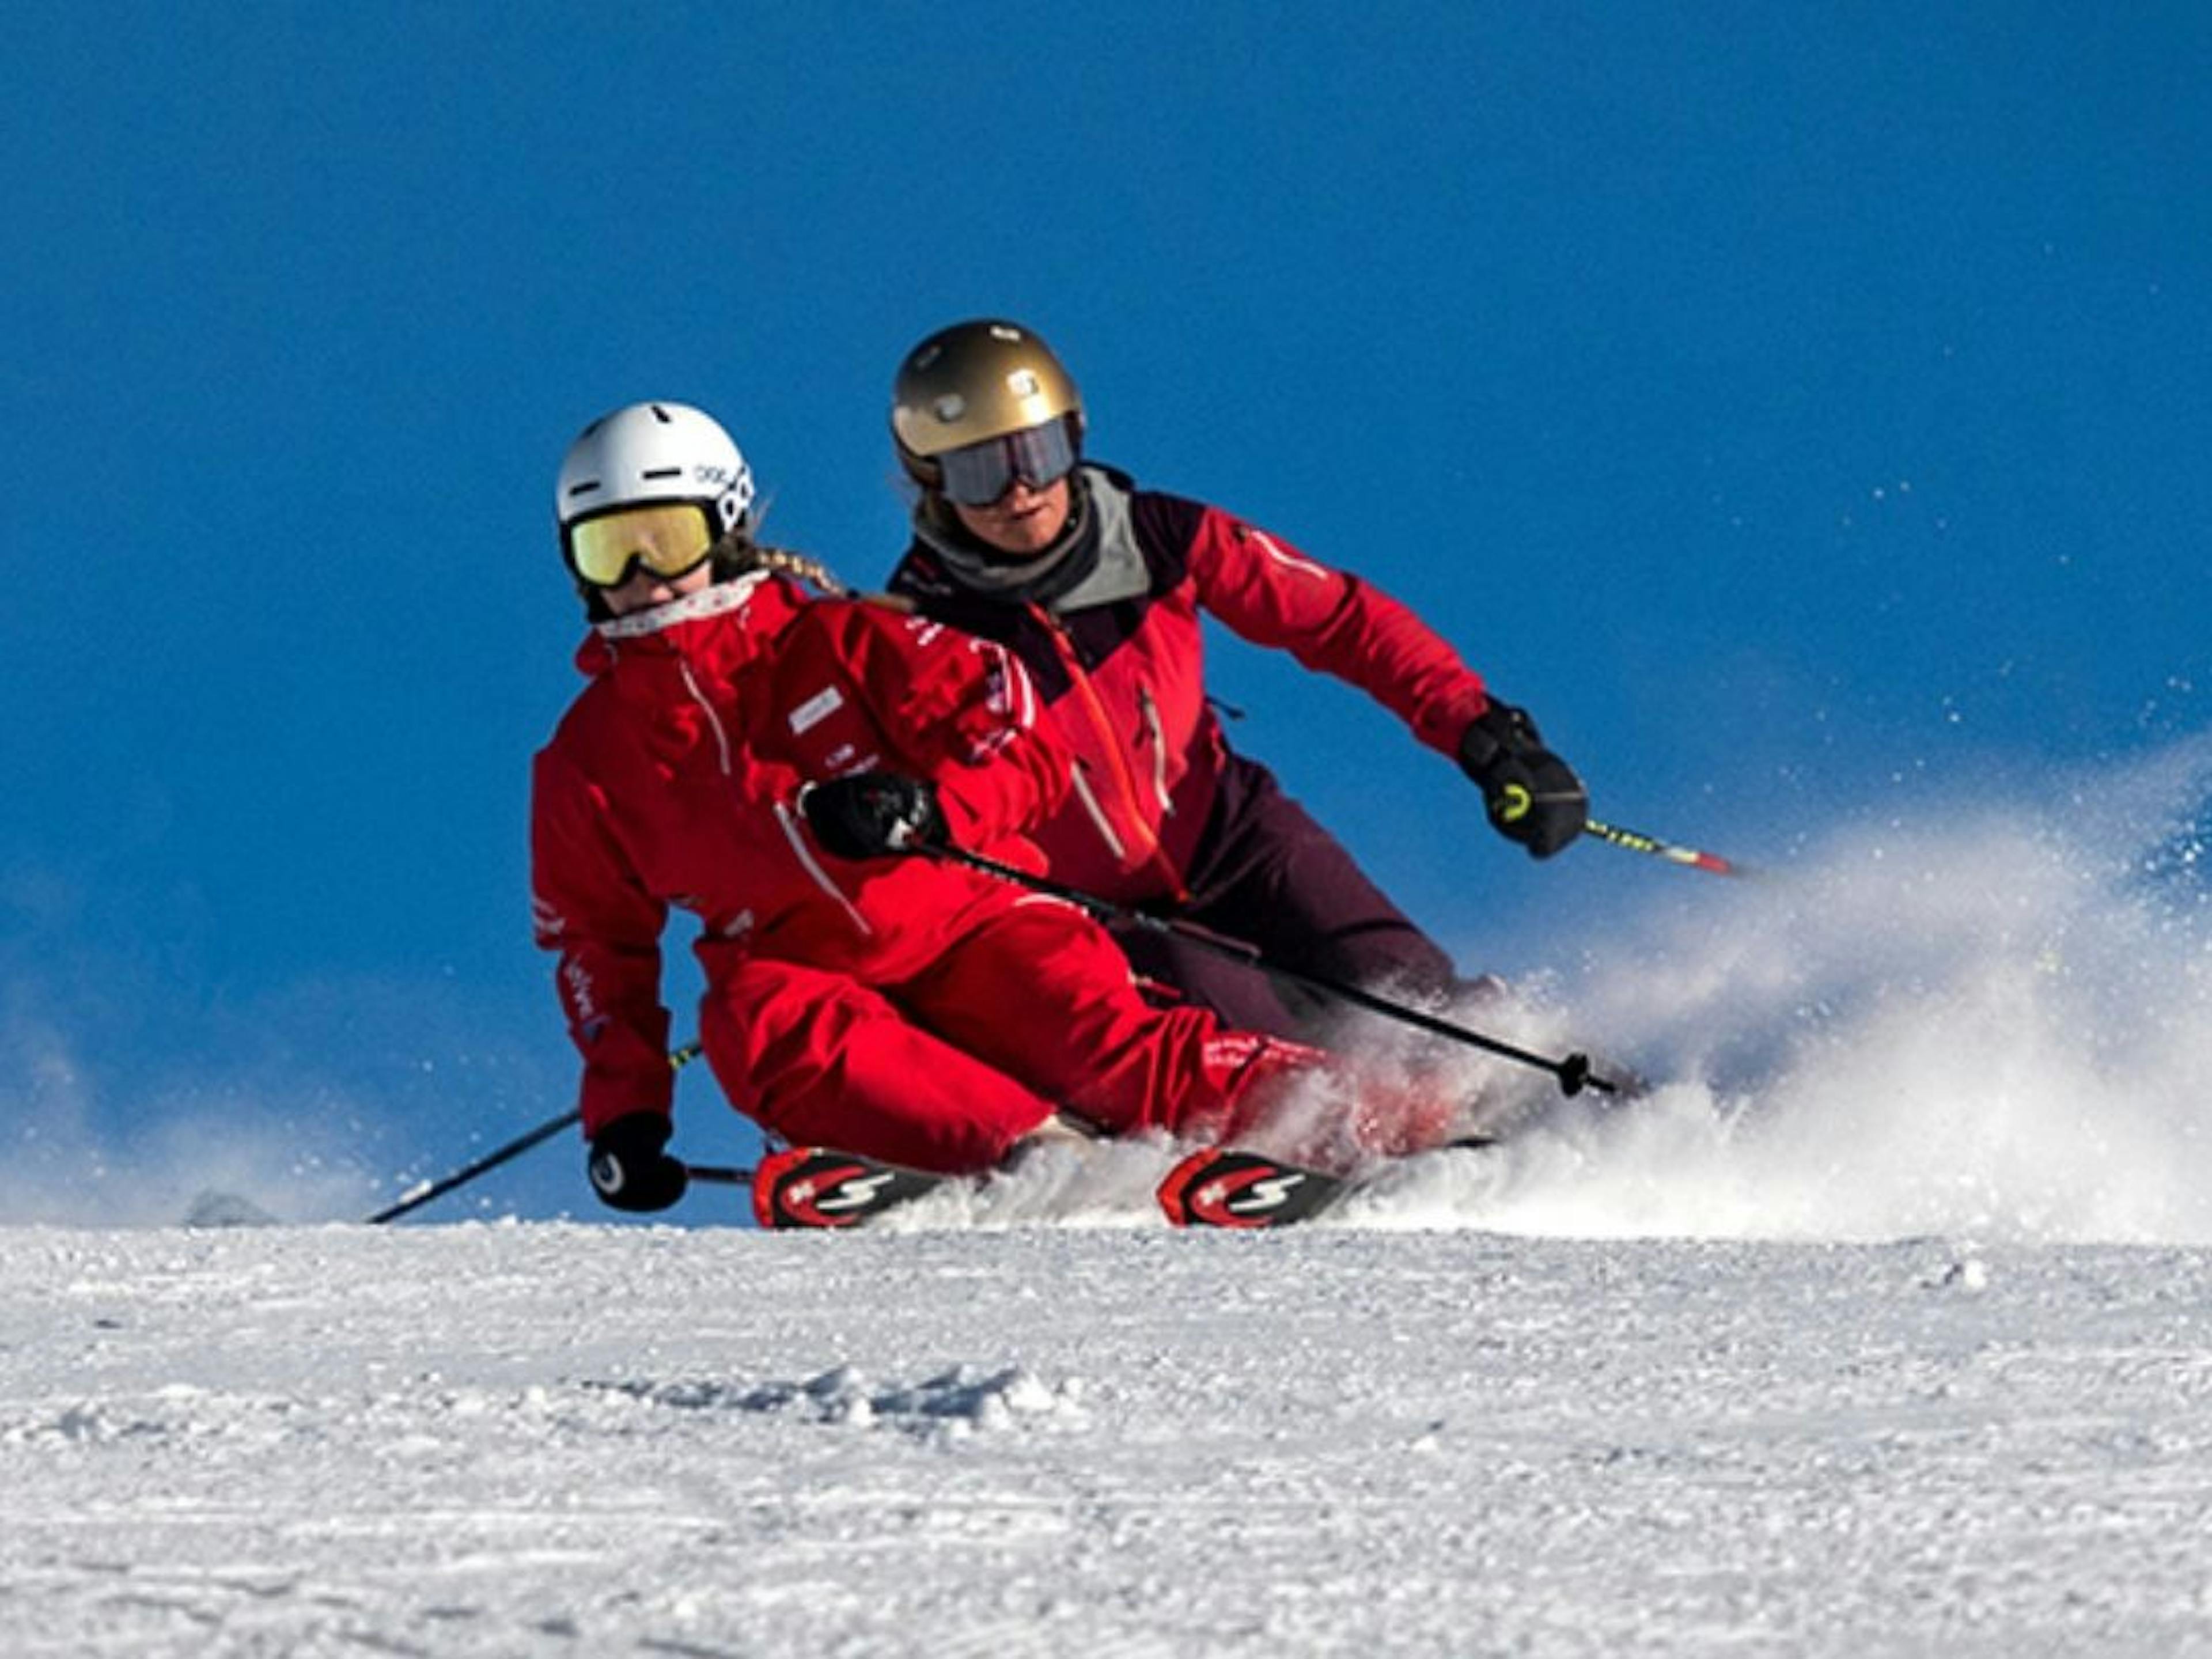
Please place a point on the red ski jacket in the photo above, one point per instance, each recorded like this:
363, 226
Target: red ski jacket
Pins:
672, 781
1119, 659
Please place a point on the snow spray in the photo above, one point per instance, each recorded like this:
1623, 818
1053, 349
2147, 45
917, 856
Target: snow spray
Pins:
1996, 1023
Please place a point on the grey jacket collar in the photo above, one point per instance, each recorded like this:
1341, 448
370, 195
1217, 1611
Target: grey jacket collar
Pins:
1095, 561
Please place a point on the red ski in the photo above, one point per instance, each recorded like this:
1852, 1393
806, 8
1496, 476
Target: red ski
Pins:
1229, 1187
815, 1186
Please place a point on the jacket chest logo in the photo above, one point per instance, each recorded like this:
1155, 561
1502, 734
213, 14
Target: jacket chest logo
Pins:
815, 710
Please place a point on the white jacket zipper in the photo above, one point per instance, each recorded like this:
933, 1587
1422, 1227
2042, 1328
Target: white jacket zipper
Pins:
721, 737
1159, 752
790, 824
1098, 817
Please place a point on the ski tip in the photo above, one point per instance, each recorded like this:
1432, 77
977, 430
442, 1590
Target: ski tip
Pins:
816, 1187
1225, 1186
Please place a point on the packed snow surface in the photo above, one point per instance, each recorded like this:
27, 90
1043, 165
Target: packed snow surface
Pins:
561, 1439
1882, 1325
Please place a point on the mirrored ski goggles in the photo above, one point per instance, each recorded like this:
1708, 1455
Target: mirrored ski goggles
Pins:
669, 539
975, 475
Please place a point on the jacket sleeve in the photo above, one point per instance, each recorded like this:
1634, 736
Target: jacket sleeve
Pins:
587, 905
962, 713
1267, 591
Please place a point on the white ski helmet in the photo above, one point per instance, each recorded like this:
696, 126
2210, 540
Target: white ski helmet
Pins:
657, 451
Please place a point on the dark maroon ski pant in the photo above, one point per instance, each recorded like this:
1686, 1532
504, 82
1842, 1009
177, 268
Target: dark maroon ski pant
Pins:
1266, 874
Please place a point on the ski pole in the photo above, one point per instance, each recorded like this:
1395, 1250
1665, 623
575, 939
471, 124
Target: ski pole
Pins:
721, 1175
1635, 842
417, 1196
1573, 1072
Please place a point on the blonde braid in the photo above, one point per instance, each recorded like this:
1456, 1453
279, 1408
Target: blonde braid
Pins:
737, 551
788, 562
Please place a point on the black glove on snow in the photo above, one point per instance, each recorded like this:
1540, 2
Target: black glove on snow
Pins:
873, 815
1532, 796
627, 1168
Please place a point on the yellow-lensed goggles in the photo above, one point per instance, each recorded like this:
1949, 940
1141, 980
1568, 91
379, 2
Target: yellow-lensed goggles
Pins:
669, 539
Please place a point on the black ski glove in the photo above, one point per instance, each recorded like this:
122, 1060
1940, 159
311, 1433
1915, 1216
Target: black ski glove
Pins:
1532, 796
873, 815
627, 1168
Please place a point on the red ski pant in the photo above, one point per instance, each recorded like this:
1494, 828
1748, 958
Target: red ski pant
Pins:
1031, 1010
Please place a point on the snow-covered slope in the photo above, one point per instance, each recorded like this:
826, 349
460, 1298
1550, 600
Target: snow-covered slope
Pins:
1884, 1326
557, 1438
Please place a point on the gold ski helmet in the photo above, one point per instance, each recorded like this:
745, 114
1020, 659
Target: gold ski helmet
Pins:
973, 382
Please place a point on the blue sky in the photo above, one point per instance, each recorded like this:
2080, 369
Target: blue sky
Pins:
1804, 412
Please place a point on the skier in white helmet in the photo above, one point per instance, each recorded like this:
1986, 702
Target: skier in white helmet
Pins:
754, 756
